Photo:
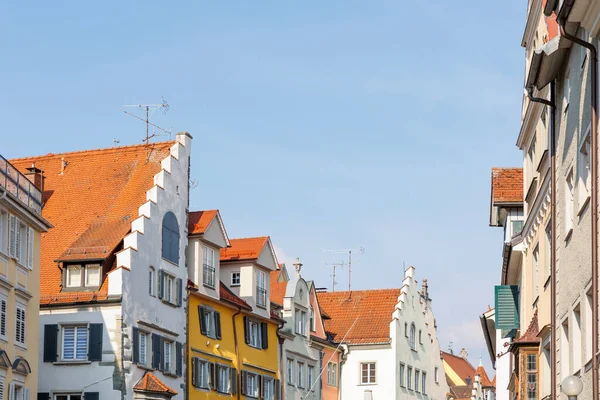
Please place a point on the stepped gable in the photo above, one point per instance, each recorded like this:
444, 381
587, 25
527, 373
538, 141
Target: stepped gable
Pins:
91, 197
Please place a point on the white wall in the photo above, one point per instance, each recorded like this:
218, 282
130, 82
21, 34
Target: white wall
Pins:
385, 388
503, 370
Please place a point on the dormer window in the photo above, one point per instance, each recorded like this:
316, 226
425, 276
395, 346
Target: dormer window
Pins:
261, 289
83, 276
170, 238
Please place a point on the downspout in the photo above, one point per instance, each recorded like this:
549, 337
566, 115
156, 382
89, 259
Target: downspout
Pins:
594, 198
281, 340
553, 350
237, 355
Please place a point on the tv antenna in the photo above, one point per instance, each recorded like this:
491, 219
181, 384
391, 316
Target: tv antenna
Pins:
335, 265
150, 109
360, 250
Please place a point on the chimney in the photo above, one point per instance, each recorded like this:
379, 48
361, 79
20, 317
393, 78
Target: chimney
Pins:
424, 288
63, 165
36, 176
468, 380
297, 266
463, 353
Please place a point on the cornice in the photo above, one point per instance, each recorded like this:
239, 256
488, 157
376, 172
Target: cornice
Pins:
533, 18
540, 208
532, 114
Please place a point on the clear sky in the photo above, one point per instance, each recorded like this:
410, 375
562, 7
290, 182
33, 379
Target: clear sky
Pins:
324, 124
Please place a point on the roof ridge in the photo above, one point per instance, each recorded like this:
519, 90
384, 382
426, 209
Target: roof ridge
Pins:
361, 290
97, 150
251, 237
517, 168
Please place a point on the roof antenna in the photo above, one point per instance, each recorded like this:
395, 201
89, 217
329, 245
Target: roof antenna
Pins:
150, 109
116, 141
450, 347
360, 250
335, 265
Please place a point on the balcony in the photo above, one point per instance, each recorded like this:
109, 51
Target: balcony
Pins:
19, 186
208, 276
261, 297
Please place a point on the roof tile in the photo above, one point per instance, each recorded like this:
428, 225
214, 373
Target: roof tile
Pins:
150, 383
244, 249
198, 221
507, 185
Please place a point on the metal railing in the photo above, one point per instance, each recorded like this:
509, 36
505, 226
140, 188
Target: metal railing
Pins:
19, 186
261, 297
208, 275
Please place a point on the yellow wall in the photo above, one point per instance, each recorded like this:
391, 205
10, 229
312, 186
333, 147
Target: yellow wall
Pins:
206, 348
453, 375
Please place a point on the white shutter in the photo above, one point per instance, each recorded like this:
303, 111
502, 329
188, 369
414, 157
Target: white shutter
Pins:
26, 394
12, 238
1, 388
18, 238
11, 391
23, 326
30, 242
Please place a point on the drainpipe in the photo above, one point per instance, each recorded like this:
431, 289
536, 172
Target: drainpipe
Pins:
594, 198
237, 355
281, 340
553, 352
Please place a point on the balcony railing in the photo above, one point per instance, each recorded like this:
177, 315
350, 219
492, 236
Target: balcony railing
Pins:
19, 186
208, 276
261, 297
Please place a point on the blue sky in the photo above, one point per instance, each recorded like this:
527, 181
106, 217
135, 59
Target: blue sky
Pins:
325, 125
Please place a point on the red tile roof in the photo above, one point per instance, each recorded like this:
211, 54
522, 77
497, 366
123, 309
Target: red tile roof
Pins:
91, 206
494, 381
507, 185
244, 249
460, 366
228, 295
150, 383
371, 309
483, 377
531, 334
277, 288
198, 221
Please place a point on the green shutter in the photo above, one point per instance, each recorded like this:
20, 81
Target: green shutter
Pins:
507, 307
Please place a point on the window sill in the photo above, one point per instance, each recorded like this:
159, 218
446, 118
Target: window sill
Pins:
583, 205
21, 346
263, 307
24, 266
367, 384
170, 374
167, 302
235, 285
206, 285
547, 282
144, 366
82, 362
171, 262
568, 235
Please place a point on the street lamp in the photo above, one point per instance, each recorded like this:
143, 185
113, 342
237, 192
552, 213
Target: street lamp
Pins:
572, 387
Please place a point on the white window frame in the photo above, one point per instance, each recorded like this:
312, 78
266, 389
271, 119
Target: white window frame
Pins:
371, 368
223, 371
209, 269
254, 386
402, 371
3, 232
409, 376
436, 375
417, 380
332, 374
412, 339
261, 288
203, 373
97, 267
300, 371
21, 325
310, 377
234, 281
268, 388
56, 395
143, 348
152, 281
423, 382
290, 371
168, 352
75, 328
255, 336
68, 279
313, 320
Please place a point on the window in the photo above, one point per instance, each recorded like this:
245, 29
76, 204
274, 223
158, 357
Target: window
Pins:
313, 326
235, 279
300, 367
300, 322
167, 354
170, 238
569, 203
402, 368
290, 371
530, 161
261, 291
412, 336
406, 329
74, 276
436, 375
268, 388
531, 377
143, 346
210, 322
170, 289
75, 396
583, 165
311, 377
223, 378
367, 373
20, 327
151, 280
517, 227
547, 251
209, 267
251, 384
80, 276
254, 333
420, 337
200, 373
332, 374
409, 378
423, 382
535, 280
75, 343
3, 231
92, 275
417, 373
576, 342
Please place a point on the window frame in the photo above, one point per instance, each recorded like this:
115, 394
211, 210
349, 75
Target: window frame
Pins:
255, 341
256, 387
412, 339
152, 281
290, 371
417, 380
99, 269
235, 274
424, 383
208, 267
21, 335
402, 371
168, 344
75, 328
227, 374
261, 288
83, 277
409, 375
170, 232
531, 373
300, 374
268, 381
332, 374
371, 369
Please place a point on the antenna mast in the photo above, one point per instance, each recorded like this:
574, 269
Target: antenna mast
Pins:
163, 107
360, 250
335, 265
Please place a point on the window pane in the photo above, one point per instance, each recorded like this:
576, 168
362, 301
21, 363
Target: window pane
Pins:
92, 275
74, 276
69, 343
81, 353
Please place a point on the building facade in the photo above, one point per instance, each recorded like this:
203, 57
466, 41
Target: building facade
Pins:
390, 338
21, 223
112, 298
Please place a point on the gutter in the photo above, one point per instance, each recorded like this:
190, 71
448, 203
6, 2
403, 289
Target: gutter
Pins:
568, 4
488, 339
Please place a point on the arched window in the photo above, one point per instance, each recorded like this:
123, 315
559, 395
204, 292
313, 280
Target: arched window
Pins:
412, 336
170, 238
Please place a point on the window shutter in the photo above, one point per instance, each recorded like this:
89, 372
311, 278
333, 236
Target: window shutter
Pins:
217, 376
507, 307
161, 349
11, 391
41, 396
26, 394
30, 243
136, 344
179, 292
264, 329
161, 284
211, 375
202, 322
95, 339
246, 331
156, 351
244, 381
12, 236
50, 342
261, 381
233, 381
91, 396
178, 359
194, 371
18, 247
217, 324
277, 389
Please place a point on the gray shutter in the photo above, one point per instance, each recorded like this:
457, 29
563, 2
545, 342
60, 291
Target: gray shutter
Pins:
211, 375
507, 307
161, 284
156, 351
234, 380
201, 317
161, 349
50, 342
277, 389
246, 331
194, 371
178, 359
95, 342
43, 396
264, 330
261, 381
136, 344
179, 292
217, 324
243, 388
91, 396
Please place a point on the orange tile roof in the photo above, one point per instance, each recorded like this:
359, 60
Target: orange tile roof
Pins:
198, 221
531, 334
244, 249
228, 295
277, 288
483, 377
150, 383
371, 309
494, 381
91, 206
460, 366
507, 185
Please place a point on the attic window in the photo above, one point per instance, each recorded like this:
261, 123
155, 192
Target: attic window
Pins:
83, 276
